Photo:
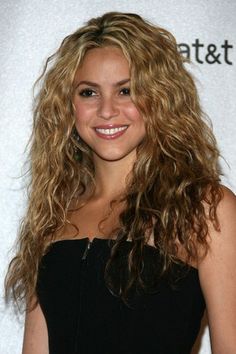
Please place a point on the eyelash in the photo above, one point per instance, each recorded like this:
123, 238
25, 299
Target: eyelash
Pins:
89, 92
86, 93
128, 89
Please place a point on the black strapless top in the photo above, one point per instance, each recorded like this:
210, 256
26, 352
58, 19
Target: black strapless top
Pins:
84, 317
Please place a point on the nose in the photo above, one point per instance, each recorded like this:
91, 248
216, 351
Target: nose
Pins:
107, 108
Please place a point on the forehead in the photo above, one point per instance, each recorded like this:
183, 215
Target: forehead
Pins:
102, 53
106, 62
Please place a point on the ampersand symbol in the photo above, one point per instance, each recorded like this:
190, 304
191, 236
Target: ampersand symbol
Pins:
210, 57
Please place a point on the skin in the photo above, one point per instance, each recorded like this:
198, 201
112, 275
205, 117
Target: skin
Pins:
217, 273
106, 104
35, 334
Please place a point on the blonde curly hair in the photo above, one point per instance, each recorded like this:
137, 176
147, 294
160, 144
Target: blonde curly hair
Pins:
176, 172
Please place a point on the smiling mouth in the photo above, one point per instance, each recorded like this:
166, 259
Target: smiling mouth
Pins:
111, 131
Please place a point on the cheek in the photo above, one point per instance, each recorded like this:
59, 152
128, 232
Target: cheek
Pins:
133, 113
139, 122
83, 111
81, 115
138, 119
83, 120
78, 110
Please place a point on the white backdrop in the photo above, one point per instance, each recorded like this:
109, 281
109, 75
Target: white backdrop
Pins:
32, 30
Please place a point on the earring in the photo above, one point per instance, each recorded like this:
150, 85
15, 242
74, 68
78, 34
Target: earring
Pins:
76, 135
77, 152
78, 155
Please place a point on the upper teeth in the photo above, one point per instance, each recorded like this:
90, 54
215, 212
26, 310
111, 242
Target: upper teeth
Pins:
111, 131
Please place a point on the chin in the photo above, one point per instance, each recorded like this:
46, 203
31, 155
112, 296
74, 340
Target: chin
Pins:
112, 156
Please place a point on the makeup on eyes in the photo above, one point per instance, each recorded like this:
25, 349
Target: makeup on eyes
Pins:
88, 92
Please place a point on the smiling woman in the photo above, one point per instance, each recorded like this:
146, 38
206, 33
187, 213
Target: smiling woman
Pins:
106, 117
128, 233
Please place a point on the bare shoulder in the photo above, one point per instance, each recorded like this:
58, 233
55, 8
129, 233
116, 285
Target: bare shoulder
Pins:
226, 210
222, 242
227, 207
217, 273
35, 332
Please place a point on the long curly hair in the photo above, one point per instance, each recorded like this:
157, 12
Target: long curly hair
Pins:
174, 190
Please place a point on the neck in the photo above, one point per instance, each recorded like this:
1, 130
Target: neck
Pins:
111, 176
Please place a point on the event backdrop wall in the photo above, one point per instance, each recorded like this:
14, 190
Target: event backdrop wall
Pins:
32, 30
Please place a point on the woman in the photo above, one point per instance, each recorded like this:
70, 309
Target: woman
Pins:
128, 233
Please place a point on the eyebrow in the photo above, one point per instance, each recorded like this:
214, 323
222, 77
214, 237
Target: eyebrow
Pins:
90, 83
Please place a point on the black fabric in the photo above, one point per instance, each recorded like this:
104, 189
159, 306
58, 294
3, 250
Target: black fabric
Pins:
84, 317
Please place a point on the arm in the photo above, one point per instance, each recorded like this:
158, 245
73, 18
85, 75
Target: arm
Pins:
217, 272
35, 334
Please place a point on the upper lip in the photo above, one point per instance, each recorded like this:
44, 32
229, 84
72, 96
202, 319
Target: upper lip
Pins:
110, 126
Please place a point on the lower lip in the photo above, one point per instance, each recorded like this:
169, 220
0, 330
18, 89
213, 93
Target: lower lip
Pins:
112, 136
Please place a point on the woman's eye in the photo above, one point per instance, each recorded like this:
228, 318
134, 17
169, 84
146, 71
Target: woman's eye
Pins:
87, 93
125, 91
